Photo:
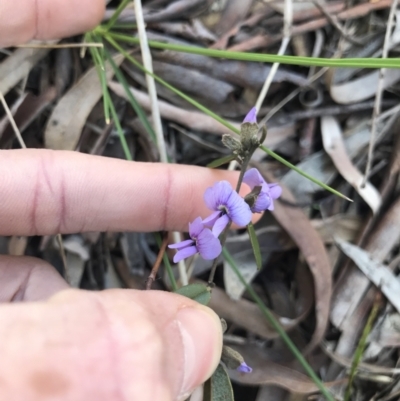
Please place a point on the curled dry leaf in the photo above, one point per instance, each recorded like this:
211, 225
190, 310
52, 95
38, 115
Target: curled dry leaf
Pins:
17, 66
334, 145
299, 227
362, 88
352, 286
68, 118
377, 273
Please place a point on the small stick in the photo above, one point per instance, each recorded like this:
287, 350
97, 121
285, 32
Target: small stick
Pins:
154, 270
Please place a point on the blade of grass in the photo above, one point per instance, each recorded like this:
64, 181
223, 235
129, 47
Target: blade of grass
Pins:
116, 14
361, 347
167, 264
218, 118
167, 85
101, 71
303, 173
264, 58
276, 325
135, 105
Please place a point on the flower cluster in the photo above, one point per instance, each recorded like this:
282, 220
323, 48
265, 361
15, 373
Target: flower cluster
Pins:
228, 207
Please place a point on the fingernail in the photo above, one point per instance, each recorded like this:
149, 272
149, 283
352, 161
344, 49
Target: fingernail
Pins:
201, 333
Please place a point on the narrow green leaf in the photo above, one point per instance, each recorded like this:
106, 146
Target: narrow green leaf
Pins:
255, 245
167, 264
218, 387
198, 292
221, 161
303, 173
218, 118
135, 105
277, 326
117, 13
269, 58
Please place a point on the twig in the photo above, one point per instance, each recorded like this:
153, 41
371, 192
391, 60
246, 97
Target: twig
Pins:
335, 22
287, 26
181, 264
151, 86
23, 146
148, 65
12, 121
59, 46
379, 92
157, 263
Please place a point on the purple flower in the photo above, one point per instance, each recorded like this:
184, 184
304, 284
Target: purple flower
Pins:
268, 193
244, 368
251, 116
228, 206
202, 241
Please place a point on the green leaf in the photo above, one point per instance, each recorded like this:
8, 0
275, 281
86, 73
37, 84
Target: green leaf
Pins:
135, 105
198, 292
218, 387
215, 116
303, 173
255, 245
277, 326
267, 58
221, 161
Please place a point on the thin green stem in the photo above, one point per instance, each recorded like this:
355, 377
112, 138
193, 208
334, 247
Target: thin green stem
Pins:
115, 16
216, 117
303, 173
276, 325
267, 58
360, 349
135, 105
101, 71
168, 266
167, 85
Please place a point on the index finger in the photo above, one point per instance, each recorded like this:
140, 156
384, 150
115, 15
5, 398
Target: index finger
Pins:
45, 192
23, 20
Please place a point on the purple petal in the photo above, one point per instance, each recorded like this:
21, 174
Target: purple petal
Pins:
275, 190
208, 245
220, 225
251, 116
185, 253
182, 244
244, 368
238, 210
211, 219
253, 178
262, 203
196, 227
218, 194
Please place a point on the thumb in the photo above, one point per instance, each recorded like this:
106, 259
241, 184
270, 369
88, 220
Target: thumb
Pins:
111, 345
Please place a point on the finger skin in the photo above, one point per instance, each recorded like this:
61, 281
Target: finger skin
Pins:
47, 192
23, 20
115, 345
28, 279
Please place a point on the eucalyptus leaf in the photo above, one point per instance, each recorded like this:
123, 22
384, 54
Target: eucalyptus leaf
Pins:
218, 387
255, 245
198, 292
221, 161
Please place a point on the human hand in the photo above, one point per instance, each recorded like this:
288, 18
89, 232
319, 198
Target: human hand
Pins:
23, 20
110, 345
58, 343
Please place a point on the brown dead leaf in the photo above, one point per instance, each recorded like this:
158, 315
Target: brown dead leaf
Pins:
334, 145
17, 66
66, 122
299, 227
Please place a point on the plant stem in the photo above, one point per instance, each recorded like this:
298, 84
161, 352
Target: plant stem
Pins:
276, 325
